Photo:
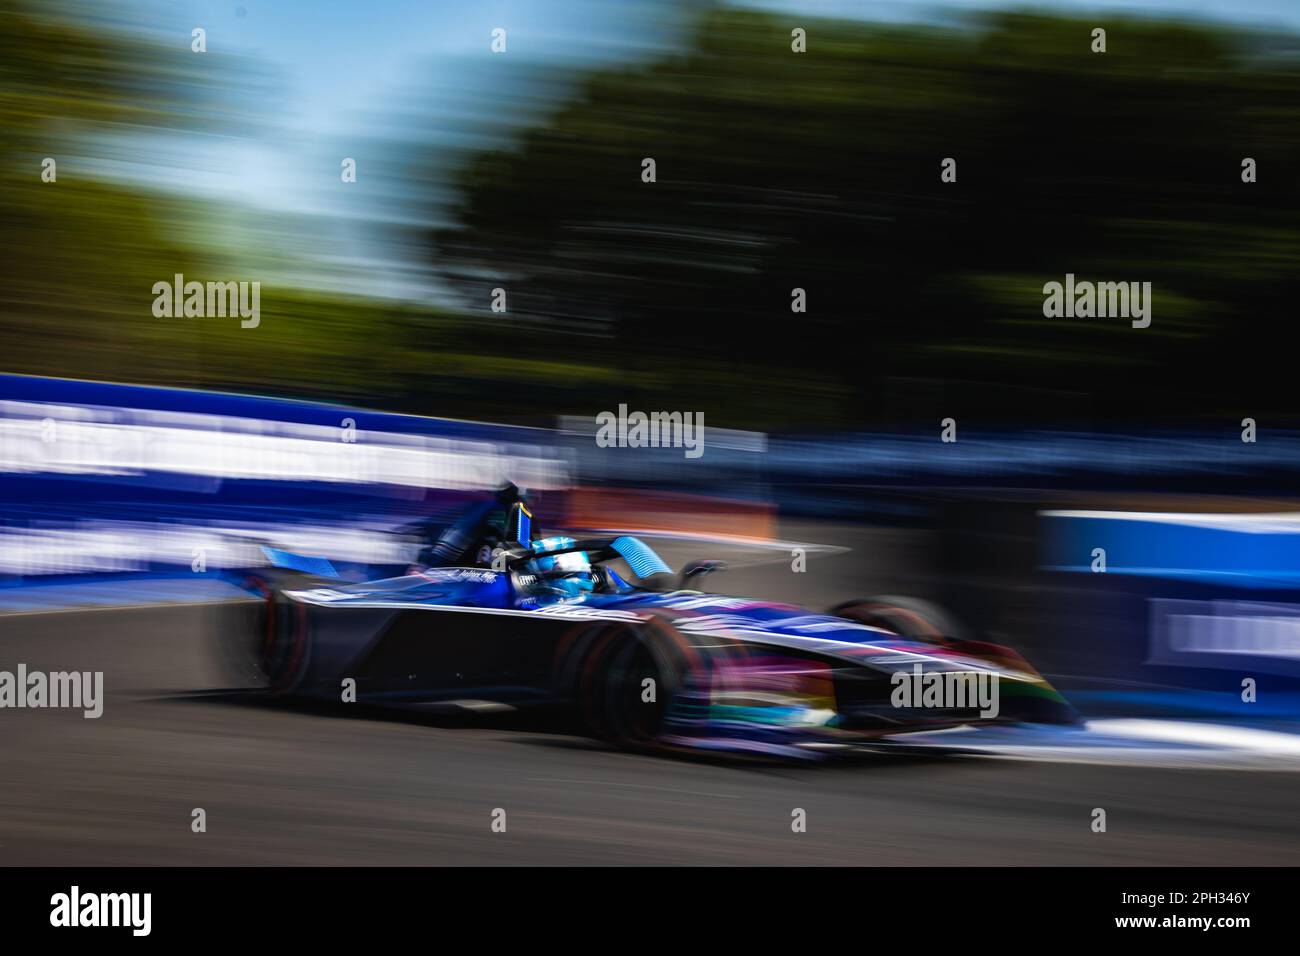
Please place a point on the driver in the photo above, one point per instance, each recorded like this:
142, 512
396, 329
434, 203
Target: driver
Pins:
569, 574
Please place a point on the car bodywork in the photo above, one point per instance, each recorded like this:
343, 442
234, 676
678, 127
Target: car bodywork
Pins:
645, 658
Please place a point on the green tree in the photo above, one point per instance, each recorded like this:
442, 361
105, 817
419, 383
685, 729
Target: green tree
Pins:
821, 171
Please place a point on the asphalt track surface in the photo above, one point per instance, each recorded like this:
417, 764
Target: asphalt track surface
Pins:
285, 784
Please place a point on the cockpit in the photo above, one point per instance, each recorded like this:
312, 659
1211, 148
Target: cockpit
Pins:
496, 534
564, 569
569, 575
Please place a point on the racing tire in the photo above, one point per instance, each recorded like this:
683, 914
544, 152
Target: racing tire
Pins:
281, 642
922, 621
608, 667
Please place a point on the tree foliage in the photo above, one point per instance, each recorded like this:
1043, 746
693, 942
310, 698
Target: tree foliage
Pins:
821, 171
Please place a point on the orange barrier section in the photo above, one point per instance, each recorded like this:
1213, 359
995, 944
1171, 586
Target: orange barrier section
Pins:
625, 508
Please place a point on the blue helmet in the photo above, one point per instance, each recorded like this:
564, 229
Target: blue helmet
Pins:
569, 573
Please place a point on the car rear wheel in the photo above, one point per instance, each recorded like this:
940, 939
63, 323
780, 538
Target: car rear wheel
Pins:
281, 640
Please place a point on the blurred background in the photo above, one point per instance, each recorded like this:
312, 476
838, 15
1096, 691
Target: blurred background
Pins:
139, 455
521, 170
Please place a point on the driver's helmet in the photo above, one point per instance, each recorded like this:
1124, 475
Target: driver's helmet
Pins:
570, 574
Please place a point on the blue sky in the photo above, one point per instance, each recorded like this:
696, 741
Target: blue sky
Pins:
341, 57
345, 65
346, 74
343, 70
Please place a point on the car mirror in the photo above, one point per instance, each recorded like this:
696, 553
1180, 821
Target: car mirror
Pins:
698, 569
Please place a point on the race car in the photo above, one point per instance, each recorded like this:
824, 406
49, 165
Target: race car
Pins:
493, 617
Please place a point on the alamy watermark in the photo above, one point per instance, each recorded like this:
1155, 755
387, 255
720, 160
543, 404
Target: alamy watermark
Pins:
197, 300
78, 690
946, 690
626, 429
1125, 300
76, 909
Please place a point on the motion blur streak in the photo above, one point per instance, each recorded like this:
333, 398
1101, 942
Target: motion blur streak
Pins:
1261, 741
776, 171
465, 256
70, 440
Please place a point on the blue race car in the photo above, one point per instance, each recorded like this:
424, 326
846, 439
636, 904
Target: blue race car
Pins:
494, 618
